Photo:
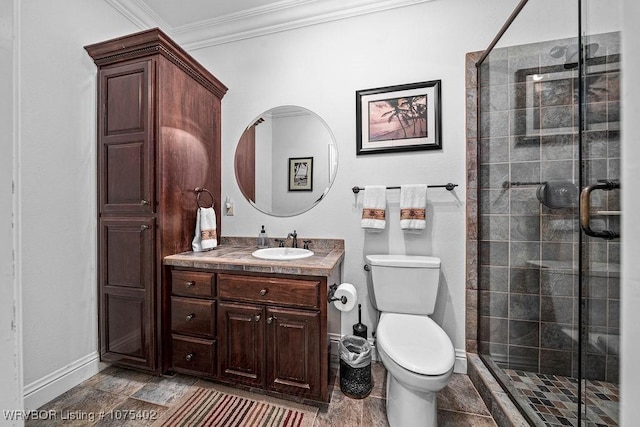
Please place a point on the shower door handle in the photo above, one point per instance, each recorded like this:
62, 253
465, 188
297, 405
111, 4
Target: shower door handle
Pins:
585, 209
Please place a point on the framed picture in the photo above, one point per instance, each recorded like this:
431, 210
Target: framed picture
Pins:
399, 118
300, 173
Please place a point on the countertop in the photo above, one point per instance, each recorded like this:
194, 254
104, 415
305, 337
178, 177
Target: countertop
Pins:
234, 254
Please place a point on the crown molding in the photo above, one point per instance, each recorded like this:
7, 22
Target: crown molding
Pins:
255, 22
138, 14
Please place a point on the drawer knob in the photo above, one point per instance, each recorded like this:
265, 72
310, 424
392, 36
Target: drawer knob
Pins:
263, 292
270, 319
189, 283
190, 317
144, 227
189, 357
144, 202
257, 317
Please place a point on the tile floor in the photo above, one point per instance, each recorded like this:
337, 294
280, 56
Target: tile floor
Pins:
117, 391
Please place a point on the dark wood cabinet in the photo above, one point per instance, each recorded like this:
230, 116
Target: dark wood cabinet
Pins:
270, 334
241, 334
193, 323
293, 351
158, 139
126, 157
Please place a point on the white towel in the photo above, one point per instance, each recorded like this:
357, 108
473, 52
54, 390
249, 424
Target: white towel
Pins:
413, 202
205, 237
374, 207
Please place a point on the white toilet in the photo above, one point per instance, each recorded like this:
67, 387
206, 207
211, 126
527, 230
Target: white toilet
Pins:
416, 352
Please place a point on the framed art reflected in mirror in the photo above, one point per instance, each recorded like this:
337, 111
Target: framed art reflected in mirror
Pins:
300, 173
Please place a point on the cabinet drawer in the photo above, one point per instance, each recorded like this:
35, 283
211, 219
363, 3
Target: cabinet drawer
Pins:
192, 316
193, 355
302, 293
192, 283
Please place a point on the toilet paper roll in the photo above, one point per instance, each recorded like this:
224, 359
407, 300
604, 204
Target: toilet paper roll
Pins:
345, 290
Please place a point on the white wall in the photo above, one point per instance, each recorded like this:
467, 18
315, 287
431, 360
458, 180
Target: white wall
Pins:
10, 373
630, 289
320, 68
56, 179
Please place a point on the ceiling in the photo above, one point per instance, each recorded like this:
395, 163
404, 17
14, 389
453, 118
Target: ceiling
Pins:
197, 24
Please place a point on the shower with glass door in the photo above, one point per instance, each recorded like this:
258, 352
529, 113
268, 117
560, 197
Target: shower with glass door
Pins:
548, 163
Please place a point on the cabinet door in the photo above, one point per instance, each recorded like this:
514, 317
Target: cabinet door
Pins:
241, 343
125, 135
293, 351
127, 317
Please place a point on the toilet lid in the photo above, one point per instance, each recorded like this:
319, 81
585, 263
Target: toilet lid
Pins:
416, 343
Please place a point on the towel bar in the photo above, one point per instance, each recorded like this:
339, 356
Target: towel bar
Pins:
199, 191
448, 186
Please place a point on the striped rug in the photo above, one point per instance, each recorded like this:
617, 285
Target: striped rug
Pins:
208, 407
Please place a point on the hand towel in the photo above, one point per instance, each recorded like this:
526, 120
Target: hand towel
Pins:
374, 207
413, 202
205, 237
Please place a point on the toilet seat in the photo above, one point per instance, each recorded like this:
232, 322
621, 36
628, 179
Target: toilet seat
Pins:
416, 343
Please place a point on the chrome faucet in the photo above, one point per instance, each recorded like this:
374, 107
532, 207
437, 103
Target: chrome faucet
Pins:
294, 235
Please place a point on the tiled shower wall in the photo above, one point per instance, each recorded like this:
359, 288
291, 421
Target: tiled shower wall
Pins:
527, 253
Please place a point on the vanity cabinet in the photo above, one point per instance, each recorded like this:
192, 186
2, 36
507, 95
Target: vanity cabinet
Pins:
158, 136
270, 333
275, 328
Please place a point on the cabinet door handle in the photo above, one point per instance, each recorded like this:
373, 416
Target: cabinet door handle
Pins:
189, 357
144, 202
144, 227
189, 283
257, 318
263, 292
270, 319
190, 316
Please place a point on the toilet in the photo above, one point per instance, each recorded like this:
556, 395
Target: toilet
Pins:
417, 354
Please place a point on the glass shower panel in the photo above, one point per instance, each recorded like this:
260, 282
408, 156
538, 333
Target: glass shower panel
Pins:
548, 123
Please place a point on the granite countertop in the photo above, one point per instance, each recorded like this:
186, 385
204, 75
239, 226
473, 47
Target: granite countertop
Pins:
234, 254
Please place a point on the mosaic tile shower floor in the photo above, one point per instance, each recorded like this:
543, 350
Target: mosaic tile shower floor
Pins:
554, 399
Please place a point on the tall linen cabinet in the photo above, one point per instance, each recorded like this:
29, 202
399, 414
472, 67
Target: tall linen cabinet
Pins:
158, 140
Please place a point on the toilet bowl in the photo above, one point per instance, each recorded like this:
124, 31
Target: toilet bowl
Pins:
419, 359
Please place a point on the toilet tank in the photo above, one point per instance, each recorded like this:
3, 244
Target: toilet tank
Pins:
404, 283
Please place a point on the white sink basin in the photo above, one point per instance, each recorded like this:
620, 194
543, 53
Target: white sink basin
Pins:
282, 254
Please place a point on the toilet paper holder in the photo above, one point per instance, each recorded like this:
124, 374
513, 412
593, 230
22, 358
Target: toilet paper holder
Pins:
331, 298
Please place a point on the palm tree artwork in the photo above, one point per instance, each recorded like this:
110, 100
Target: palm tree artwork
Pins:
300, 174
398, 118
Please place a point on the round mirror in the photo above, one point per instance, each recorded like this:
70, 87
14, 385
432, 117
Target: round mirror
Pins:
286, 161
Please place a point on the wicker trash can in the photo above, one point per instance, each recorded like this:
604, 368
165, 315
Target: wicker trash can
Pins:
355, 366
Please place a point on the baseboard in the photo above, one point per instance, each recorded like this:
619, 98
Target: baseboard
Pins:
335, 345
460, 366
334, 342
54, 384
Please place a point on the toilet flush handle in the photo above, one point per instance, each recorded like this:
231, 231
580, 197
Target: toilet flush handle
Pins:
367, 267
